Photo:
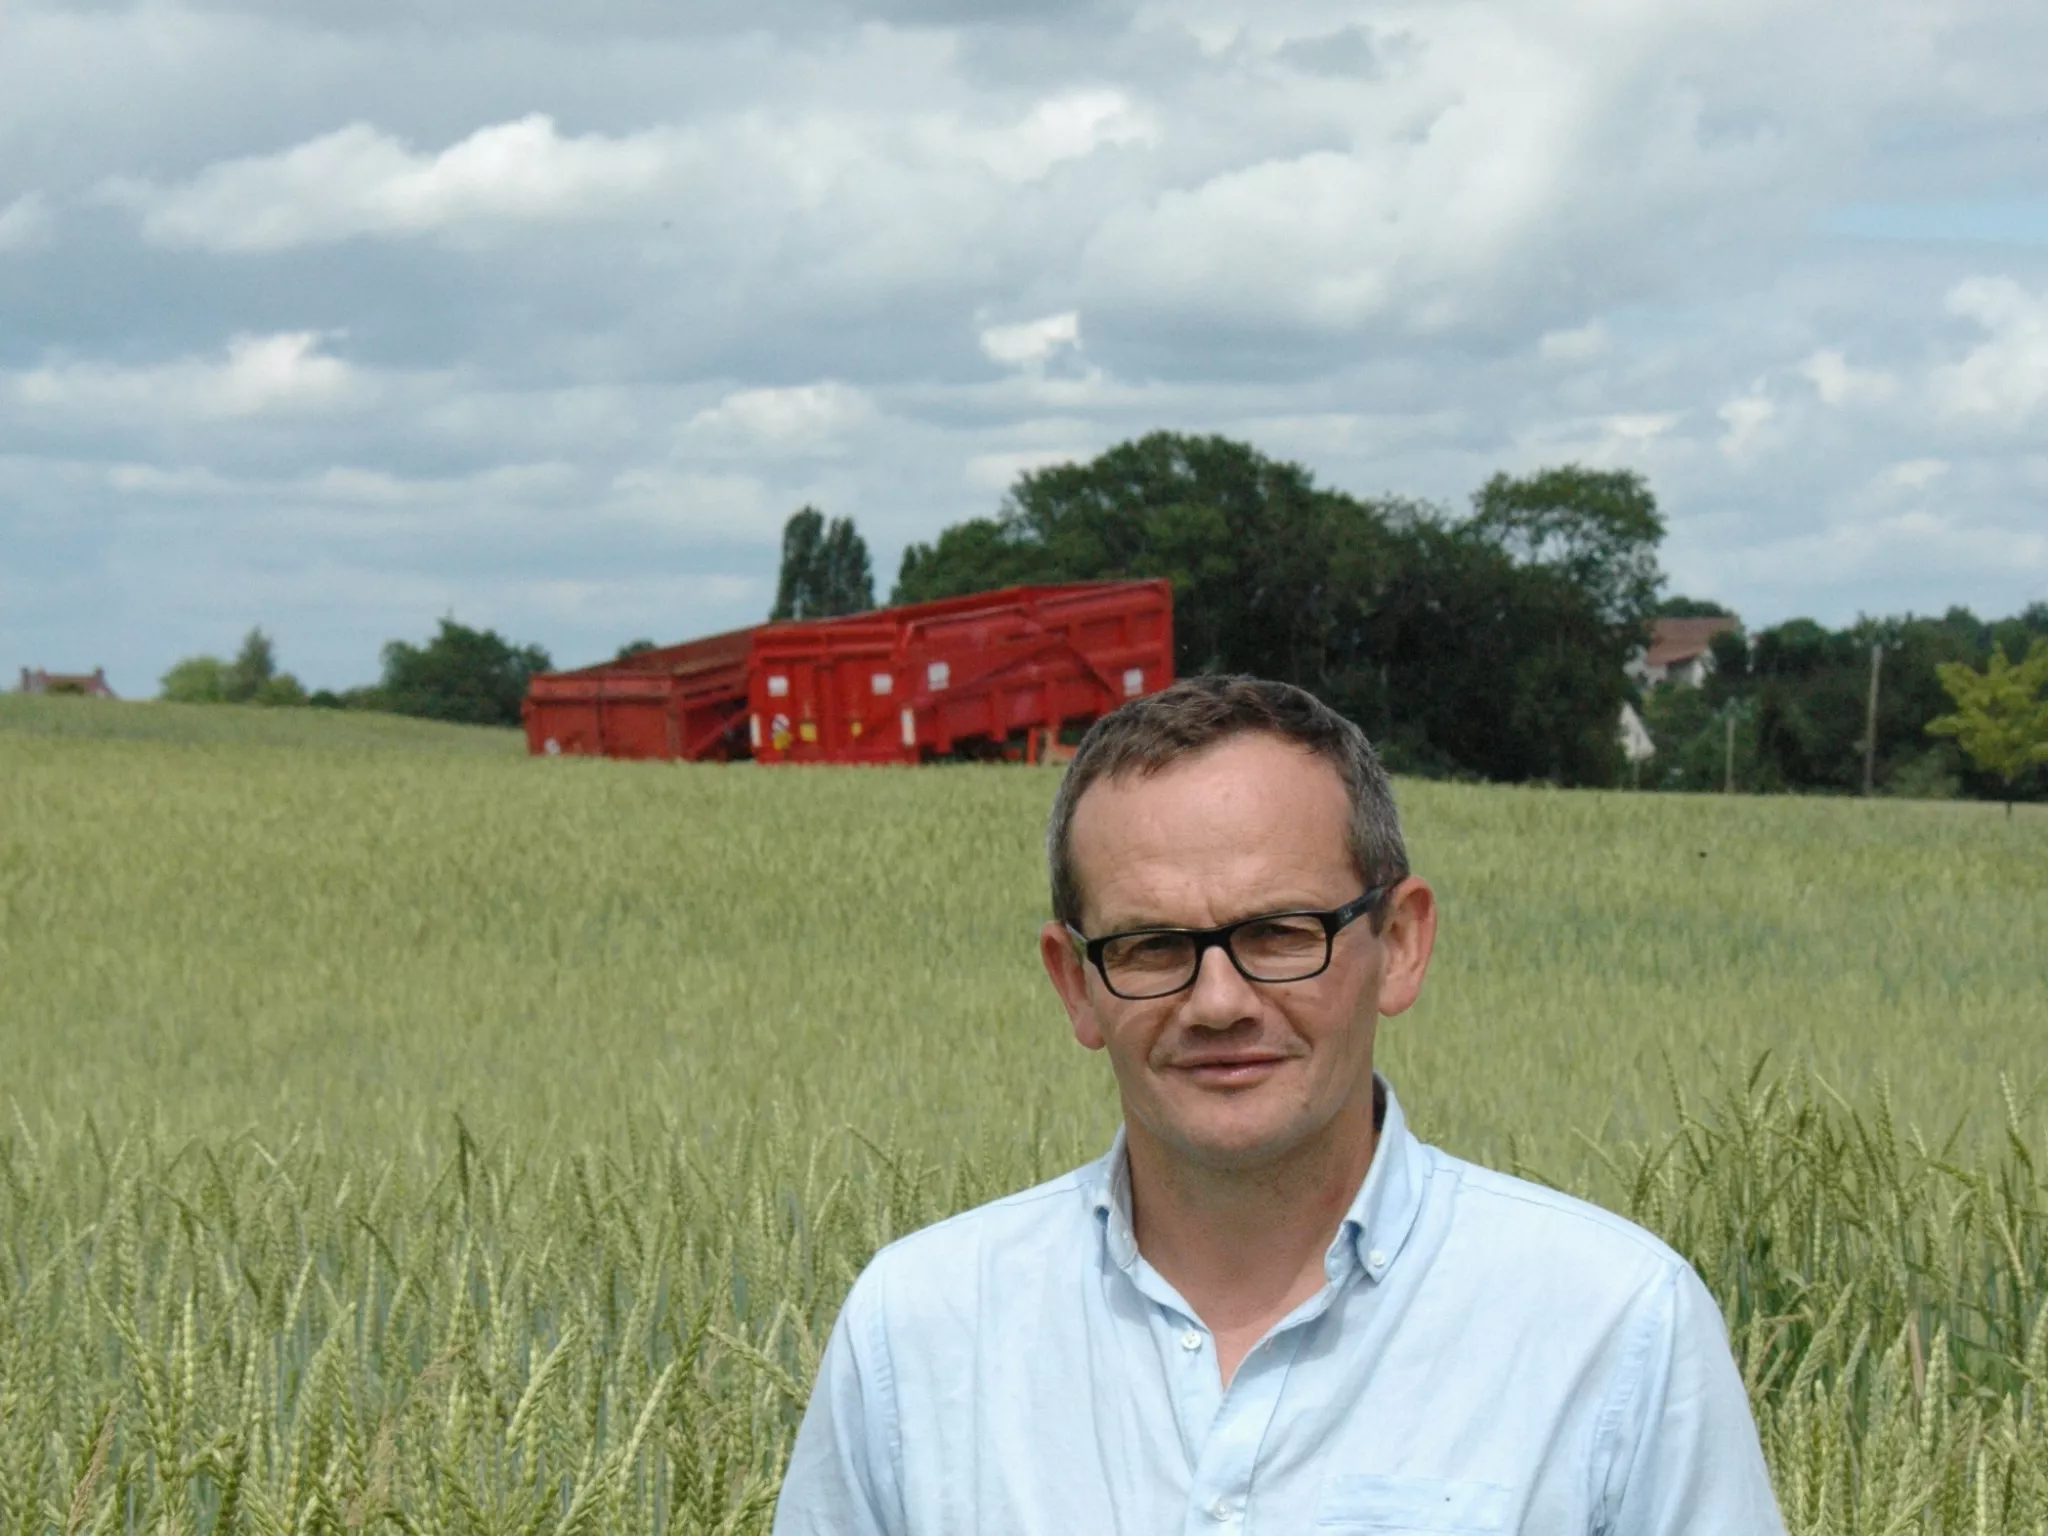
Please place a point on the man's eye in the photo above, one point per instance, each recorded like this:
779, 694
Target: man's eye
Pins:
1281, 930
1279, 941
1149, 949
1154, 944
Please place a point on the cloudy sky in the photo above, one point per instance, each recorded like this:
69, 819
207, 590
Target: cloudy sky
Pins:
340, 315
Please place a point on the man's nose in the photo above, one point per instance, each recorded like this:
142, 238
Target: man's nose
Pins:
1220, 996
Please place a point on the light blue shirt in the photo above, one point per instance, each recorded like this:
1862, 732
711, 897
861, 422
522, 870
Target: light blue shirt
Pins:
1486, 1356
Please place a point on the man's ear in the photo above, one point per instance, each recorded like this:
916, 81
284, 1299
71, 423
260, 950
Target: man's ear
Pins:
1407, 937
1069, 973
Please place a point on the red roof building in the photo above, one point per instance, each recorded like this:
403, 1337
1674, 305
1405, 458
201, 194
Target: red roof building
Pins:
1681, 650
91, 684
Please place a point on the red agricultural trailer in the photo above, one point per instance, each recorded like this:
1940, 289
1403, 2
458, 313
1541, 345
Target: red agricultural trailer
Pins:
994, 674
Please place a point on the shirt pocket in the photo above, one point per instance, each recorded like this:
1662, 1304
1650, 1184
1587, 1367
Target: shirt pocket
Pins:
1397, 1506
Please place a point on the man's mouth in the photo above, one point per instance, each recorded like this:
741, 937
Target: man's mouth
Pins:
1230, 1071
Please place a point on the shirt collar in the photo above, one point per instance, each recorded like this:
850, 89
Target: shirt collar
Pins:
1375, 1226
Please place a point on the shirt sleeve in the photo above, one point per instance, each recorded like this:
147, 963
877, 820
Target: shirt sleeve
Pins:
1683, 1455
842, 1478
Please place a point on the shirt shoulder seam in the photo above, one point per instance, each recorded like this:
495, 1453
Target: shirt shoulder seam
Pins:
894, 1250
1501, 1186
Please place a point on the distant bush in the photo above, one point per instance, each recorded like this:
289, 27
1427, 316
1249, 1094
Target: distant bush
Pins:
369, 697
251, 678
467, 676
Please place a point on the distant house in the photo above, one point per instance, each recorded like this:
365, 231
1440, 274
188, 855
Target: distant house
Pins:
1637, 745
91, 684
1680, 651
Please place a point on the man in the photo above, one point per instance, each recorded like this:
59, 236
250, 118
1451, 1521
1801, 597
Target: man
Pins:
1269, 1308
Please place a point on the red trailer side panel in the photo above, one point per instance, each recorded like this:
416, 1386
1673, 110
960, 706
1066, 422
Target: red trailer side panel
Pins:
982, 675
682, 701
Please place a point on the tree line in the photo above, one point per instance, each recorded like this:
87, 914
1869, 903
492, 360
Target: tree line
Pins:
1959, 710
1494, 643
1491, 643
1488, 645
461, 675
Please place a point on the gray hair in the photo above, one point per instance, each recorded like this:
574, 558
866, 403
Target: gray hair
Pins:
1197, 713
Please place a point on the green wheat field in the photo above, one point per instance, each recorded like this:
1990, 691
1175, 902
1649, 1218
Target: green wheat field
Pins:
398, 1133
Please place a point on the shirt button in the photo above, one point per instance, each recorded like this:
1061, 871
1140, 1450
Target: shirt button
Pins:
1220, 1510
1191, 1340
1377, 1259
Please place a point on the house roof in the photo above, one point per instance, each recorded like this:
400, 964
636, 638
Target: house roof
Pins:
37, 680
1673, 642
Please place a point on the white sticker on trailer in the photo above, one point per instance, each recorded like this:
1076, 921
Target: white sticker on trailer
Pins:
909, 729
778, 686
1134, 682
937, 675
882, 683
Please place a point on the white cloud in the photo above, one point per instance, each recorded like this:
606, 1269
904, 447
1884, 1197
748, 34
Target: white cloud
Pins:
1579, 345
1032, 341
1487, 159
1837, 383
26, 223
1744, 419
737, 506
154, 480
1063, 128
354, 485
1860, 549
1408, 244
359, 181
596, 601
284, 373
1637, 440
1640, 426
2005, 377
805, 418
1913, 474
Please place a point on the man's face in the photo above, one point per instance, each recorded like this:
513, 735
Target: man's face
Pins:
1234, 1074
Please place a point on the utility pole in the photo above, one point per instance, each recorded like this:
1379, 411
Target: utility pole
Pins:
1870, 718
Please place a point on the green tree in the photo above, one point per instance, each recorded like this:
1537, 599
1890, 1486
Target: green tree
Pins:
1247, 541
195, 680
468, 676
1597, 528
1810, 689
1691, 608
978, 555
846, 575
2001, 717
251, 678
1474, 663
1455, 655
825, 569
252, 670
634, 648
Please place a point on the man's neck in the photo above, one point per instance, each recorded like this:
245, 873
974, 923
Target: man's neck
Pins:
1246, 1246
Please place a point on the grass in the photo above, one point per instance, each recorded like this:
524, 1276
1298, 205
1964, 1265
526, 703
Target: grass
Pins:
361, 1068
81, 719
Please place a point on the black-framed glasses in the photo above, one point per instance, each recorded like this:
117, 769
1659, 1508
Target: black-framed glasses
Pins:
1144, 963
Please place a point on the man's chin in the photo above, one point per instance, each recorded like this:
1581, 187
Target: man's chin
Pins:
1239, 1143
